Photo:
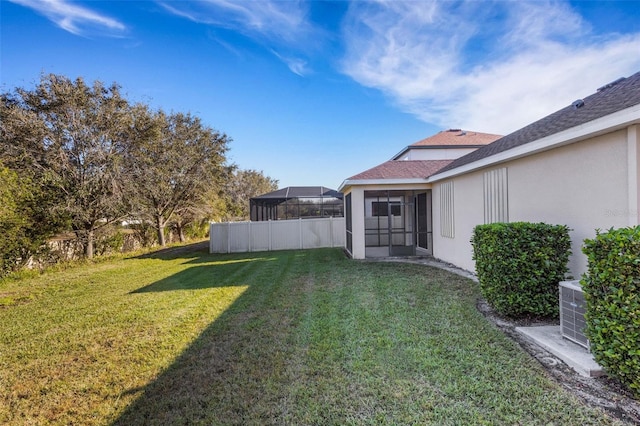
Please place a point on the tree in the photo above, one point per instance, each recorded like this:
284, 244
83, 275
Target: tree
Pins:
25, 219
174, 166
73, 134
244, 185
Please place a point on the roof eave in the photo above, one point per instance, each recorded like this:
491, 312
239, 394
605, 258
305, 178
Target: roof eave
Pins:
602, 125
397, 181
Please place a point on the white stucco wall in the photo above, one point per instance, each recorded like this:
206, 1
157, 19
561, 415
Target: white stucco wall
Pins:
583, 186
586, 185
468, 212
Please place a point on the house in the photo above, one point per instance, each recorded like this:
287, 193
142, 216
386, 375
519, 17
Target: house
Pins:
388, 208
295, 202
579, 166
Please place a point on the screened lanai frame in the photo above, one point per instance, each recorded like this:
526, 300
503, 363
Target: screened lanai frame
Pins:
296, 202
397, 222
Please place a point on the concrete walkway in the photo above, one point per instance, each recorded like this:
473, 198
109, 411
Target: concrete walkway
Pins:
572, 354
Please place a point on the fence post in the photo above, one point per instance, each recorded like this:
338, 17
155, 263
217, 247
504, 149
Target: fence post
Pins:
270, 243
250, 237
331, 230
300, 232
228, 237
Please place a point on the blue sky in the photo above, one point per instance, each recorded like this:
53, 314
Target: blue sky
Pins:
314, 92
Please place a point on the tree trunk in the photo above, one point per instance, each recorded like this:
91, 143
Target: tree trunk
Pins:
88, 247
180, 230
160, 226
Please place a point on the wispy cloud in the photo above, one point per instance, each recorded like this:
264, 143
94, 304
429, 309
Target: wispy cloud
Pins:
73, 18
481, 65
274, 19
281, 25
296, 65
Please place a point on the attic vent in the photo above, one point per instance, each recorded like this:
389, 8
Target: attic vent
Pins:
613, 83
454, 130
578, 104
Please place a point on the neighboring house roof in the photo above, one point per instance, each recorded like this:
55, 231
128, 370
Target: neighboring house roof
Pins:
452, 138
611, 98
299, 192
393, 169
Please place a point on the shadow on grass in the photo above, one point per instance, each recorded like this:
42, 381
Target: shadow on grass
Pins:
219, 377
208, 274
169, 253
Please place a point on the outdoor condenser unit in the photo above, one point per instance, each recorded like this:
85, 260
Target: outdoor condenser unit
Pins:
572, 309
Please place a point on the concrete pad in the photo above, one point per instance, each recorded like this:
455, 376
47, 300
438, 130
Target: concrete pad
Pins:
572, 354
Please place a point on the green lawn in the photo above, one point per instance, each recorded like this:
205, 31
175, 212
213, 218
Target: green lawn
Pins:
295, 337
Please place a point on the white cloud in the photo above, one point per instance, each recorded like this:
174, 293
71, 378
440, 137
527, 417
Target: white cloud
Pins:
73, 18
296, 65
284, 21
491, 67
283, 24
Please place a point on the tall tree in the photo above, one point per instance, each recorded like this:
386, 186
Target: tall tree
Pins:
25, 219
28, 216
244, 185
172, 168
75, 135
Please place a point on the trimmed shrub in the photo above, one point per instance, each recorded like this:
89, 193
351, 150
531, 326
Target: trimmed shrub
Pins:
612, 291
519, 266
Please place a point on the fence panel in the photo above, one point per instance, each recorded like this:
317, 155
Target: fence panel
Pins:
260, 236
285, 234
238, 237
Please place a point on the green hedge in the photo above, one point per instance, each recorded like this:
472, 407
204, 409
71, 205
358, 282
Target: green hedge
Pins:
612, 291
519, 266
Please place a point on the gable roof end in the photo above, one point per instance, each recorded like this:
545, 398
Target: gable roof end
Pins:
452, 138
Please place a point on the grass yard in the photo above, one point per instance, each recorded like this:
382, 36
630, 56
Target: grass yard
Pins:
295, 337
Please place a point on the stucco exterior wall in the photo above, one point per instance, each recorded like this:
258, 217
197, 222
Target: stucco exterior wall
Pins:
583, 186
468, 211
586, 185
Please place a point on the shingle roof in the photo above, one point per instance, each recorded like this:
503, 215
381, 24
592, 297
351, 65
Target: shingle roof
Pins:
457, 137
393, 169
611, 98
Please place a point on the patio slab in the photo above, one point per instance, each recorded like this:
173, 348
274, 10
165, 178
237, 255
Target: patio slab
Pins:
574, 355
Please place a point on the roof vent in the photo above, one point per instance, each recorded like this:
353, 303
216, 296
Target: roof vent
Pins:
578, 104
613, 83
454, 130
462, 133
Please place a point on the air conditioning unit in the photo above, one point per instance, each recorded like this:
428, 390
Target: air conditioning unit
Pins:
572, 309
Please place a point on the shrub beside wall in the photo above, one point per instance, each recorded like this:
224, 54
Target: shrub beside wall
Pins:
612, 292
519, 266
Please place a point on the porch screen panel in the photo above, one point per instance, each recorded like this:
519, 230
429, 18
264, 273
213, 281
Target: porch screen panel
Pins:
496, 200
447, 228
423, 224
348, 224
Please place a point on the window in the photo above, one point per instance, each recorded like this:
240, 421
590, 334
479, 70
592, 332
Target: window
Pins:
447, 228
496, 200
381, 208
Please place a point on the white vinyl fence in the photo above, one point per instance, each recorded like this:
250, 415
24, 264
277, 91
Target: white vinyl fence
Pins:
240, 237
